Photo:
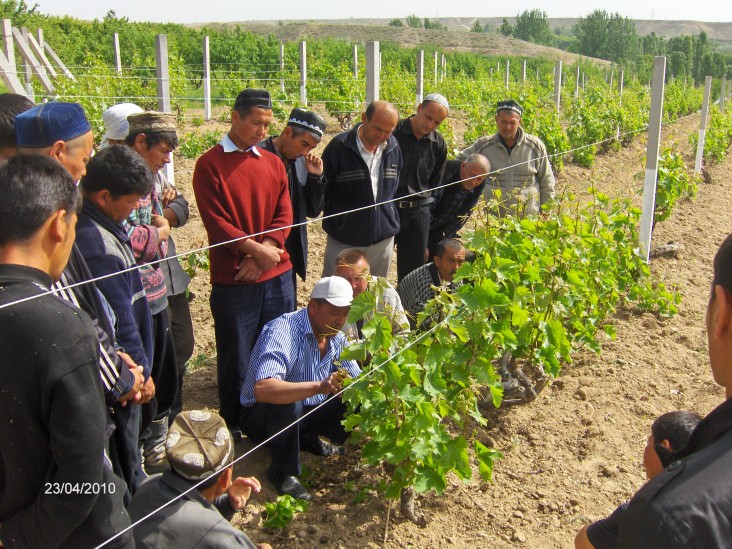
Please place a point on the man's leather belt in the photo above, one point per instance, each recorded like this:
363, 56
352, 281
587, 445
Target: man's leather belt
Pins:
414, 203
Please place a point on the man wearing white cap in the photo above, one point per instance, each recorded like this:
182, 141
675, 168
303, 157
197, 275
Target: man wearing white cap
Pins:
115, 123
424, 152
294, 369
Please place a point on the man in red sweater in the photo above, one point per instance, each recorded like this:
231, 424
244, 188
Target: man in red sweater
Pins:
242, 192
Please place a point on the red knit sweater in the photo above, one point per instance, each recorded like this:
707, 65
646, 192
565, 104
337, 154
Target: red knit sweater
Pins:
238, 194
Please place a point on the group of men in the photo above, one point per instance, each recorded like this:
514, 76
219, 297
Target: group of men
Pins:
67, 218
104, 383
374, 187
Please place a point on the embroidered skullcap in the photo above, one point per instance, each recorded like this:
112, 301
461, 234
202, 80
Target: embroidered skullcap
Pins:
115, 120
438, 98
54, 121
151, 122
509, 105
252, 97
309, 120
198, 444
335, 290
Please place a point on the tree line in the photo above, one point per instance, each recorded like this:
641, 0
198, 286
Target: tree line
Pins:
613, 37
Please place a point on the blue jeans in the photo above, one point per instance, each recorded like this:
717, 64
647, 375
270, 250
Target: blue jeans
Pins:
240, 312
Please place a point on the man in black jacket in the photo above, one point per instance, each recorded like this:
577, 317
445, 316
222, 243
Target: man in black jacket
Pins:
361, 169
453, 204
56, 485
293, 146
424, 152
689, 504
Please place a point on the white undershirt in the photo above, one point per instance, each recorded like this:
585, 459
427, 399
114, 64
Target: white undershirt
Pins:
373, 161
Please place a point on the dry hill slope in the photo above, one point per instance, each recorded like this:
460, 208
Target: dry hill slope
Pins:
449, 40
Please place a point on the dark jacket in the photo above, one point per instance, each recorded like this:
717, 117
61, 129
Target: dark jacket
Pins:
117, 379
106, 249
689, 504
306, 193
349, 186
452, 206
56, 489
176, 279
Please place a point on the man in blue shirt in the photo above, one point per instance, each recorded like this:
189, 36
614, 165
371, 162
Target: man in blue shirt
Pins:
293, 371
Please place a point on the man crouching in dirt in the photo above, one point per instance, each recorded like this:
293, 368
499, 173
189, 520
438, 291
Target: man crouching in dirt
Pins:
294, 368
193, 502
688, 505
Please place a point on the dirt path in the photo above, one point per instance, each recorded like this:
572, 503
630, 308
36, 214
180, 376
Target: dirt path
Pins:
572, 455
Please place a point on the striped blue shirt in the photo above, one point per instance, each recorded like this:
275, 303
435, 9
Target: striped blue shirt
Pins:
288, 350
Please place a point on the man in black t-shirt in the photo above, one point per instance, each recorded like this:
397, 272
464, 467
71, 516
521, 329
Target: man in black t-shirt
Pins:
56, 485
689, 504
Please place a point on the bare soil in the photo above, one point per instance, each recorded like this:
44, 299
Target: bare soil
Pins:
572, 455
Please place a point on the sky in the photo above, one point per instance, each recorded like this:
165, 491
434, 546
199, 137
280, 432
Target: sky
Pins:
177, 11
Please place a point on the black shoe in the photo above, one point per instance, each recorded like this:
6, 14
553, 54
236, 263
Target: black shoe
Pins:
321, 447
236, 435
290, 486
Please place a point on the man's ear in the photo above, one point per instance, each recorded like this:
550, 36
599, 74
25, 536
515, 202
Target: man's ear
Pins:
722, 312
225, 478
666, 444
58, 149
58, 226
98, 198
140, 141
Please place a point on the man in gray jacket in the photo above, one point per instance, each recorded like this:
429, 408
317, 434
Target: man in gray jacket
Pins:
523, 172
200, 485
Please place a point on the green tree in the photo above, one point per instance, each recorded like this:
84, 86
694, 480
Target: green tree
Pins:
607, 36
477, 27
17, 11
414, 22
396, 23
506, 29
533, 26
434, 25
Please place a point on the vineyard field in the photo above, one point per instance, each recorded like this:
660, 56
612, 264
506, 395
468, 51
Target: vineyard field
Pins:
570, 456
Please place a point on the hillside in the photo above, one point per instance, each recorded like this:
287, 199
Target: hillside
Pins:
483, 43
379, 29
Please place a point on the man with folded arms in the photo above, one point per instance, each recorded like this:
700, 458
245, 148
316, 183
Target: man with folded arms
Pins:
243, 198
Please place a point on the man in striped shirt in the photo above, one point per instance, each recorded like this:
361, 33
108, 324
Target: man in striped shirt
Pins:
293, 373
